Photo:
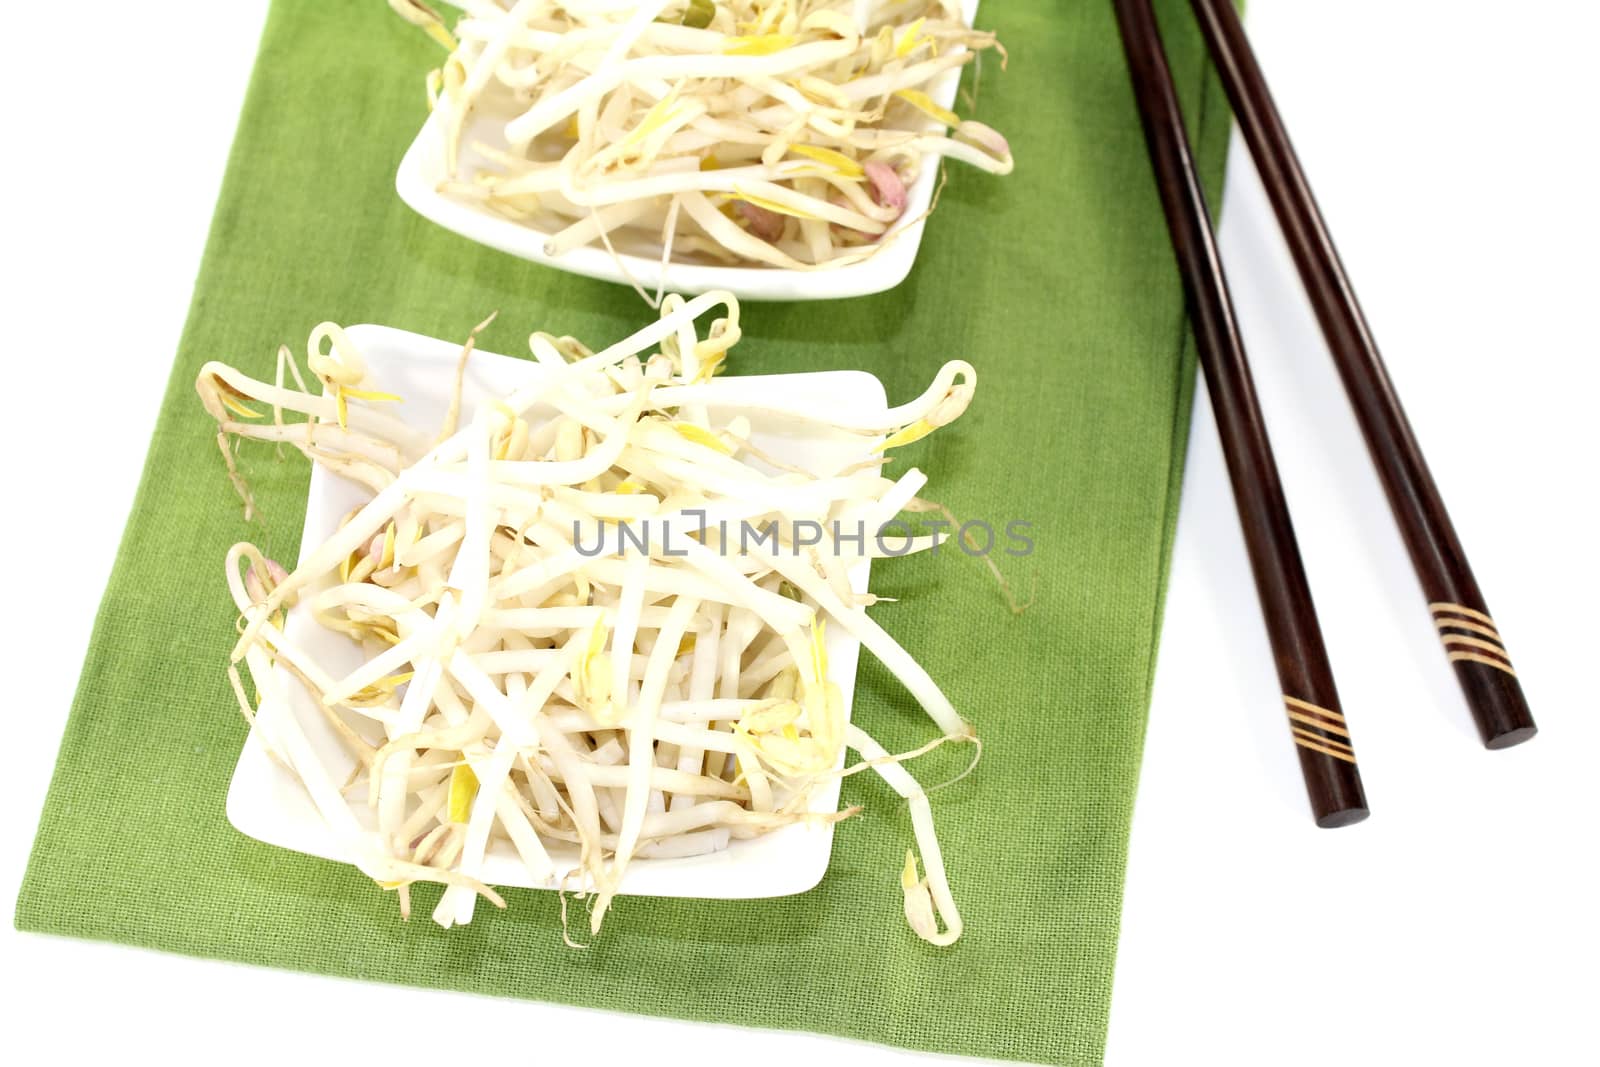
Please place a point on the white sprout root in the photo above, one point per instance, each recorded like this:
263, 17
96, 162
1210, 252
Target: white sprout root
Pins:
535, 677
781, 133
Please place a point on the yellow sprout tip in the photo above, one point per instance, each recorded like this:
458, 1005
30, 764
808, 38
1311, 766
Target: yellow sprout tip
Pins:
443, 36
915, 432
837, 160
236, 407
463, 787
367, 394
909, 40
702, 436
761, 45
775, 206
819, 649
597, 639
924, 103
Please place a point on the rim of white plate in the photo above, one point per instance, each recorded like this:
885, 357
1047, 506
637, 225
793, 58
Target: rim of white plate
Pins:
269, 804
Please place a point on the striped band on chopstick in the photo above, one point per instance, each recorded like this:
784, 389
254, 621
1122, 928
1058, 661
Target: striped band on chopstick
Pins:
1470, 636
1319, 729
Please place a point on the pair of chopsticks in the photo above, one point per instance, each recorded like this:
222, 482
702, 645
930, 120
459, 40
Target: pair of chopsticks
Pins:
1466, 630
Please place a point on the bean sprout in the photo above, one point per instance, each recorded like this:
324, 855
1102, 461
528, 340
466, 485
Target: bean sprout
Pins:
782, 133
569, 635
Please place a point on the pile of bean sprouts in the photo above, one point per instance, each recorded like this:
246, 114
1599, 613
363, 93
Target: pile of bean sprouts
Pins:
776, 132
519, 683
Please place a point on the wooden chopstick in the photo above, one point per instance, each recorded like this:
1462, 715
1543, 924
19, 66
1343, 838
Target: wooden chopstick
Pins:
1461, 617
1316, 724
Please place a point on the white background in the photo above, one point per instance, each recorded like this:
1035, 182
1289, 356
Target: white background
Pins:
1451, 145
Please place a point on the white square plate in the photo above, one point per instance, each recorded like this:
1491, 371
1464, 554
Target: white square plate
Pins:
423, 168
267, 803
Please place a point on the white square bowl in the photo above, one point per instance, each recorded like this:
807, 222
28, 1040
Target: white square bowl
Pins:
423, 168
269, 804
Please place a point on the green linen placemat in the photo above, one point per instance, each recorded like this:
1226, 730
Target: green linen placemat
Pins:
1057, 282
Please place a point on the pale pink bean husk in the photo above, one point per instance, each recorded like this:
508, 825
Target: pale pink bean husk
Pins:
985, 137
767, 225
253, 584
887, 188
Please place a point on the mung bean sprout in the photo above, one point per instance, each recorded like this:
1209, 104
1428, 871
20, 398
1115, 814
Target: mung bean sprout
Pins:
781, 133
532, 671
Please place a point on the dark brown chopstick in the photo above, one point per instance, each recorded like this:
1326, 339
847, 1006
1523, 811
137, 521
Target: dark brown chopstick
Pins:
1460, 615
1322, 739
